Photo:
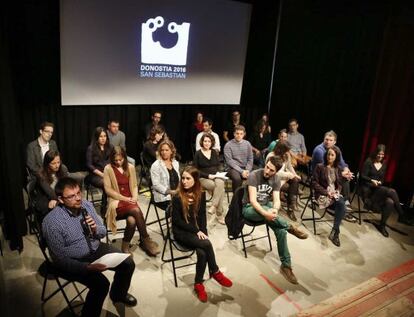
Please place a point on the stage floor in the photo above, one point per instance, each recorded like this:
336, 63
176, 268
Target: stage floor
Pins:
322, 269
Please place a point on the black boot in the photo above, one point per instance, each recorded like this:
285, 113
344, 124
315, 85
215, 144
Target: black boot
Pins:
381, 228
334, 237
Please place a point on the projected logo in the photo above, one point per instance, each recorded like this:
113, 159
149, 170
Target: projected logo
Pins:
156, 60
153, 53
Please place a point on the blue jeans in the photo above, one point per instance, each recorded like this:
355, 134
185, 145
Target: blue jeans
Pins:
339, 206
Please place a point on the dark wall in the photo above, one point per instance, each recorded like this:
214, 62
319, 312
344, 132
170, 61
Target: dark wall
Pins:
326, 66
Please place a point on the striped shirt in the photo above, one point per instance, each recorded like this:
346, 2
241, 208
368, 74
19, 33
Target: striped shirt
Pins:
297, 142
239, 155
66, 239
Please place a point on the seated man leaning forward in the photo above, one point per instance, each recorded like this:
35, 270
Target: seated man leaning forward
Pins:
72, 231
257, 206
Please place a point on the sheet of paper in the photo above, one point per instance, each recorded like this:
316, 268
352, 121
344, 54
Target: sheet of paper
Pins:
222, 175
112, 259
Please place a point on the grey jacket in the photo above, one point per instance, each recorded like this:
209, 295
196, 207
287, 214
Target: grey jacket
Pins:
34, 160
160, 179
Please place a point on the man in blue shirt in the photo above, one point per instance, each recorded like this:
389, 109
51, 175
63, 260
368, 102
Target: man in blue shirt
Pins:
72, 231
317, 158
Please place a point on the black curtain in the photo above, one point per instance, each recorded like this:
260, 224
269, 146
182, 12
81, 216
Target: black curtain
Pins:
391, 114
11, 174
31, 95
325, 69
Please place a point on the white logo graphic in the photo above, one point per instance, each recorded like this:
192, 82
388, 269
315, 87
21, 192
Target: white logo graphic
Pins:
153, 53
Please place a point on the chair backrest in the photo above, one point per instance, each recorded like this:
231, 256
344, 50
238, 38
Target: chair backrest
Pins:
40, 239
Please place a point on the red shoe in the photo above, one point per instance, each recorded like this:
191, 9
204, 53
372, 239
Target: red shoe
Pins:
201, 292
222, 280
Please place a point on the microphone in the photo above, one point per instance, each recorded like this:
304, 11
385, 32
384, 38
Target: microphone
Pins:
87, 228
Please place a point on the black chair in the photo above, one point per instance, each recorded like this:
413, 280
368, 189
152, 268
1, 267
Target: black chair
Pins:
360, 198
144, 174
311, 201
97, 195
30, 190
236, 205
173, 245
228, 188
159, 218
50, 271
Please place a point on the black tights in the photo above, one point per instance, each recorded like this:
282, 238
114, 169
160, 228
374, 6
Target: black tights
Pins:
134, 218
386, 200
205, 253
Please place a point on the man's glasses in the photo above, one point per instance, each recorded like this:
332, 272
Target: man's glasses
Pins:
73, 197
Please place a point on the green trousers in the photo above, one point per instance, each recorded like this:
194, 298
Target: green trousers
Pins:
279, 227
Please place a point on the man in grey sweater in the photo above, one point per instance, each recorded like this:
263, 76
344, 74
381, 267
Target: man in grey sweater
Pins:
238, 154
117, 137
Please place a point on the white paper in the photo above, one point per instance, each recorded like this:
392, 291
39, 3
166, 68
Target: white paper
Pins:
112, 259
221, 175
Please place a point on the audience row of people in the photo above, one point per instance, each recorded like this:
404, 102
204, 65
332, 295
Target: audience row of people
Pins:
185, 194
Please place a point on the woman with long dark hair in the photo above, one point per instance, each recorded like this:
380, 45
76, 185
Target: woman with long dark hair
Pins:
121, 186
47, 178
326, 184
97, 157
190, 229
376, 194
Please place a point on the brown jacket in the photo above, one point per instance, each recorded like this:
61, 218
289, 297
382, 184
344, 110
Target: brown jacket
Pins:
112, 190
320, 181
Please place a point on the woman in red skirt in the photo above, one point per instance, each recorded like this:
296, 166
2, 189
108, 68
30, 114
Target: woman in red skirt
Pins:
120, 182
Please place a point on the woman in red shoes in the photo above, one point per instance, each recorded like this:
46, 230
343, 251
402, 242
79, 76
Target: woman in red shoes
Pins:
189, 227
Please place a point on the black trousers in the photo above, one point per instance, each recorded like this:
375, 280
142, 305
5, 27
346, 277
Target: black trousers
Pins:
236, 179
98, 284
385, 200
204, 250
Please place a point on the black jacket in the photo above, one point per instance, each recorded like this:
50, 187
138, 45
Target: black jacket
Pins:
234, 218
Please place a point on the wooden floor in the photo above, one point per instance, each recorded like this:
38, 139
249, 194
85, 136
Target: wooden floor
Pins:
389, 294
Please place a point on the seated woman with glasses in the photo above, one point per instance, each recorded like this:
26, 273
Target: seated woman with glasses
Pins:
207, 162
97, 157
121, 186
326, 183
189, 229
165, 174
376, 194
47, 178
150, 150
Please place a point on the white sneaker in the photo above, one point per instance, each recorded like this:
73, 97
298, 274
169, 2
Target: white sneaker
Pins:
348, 205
